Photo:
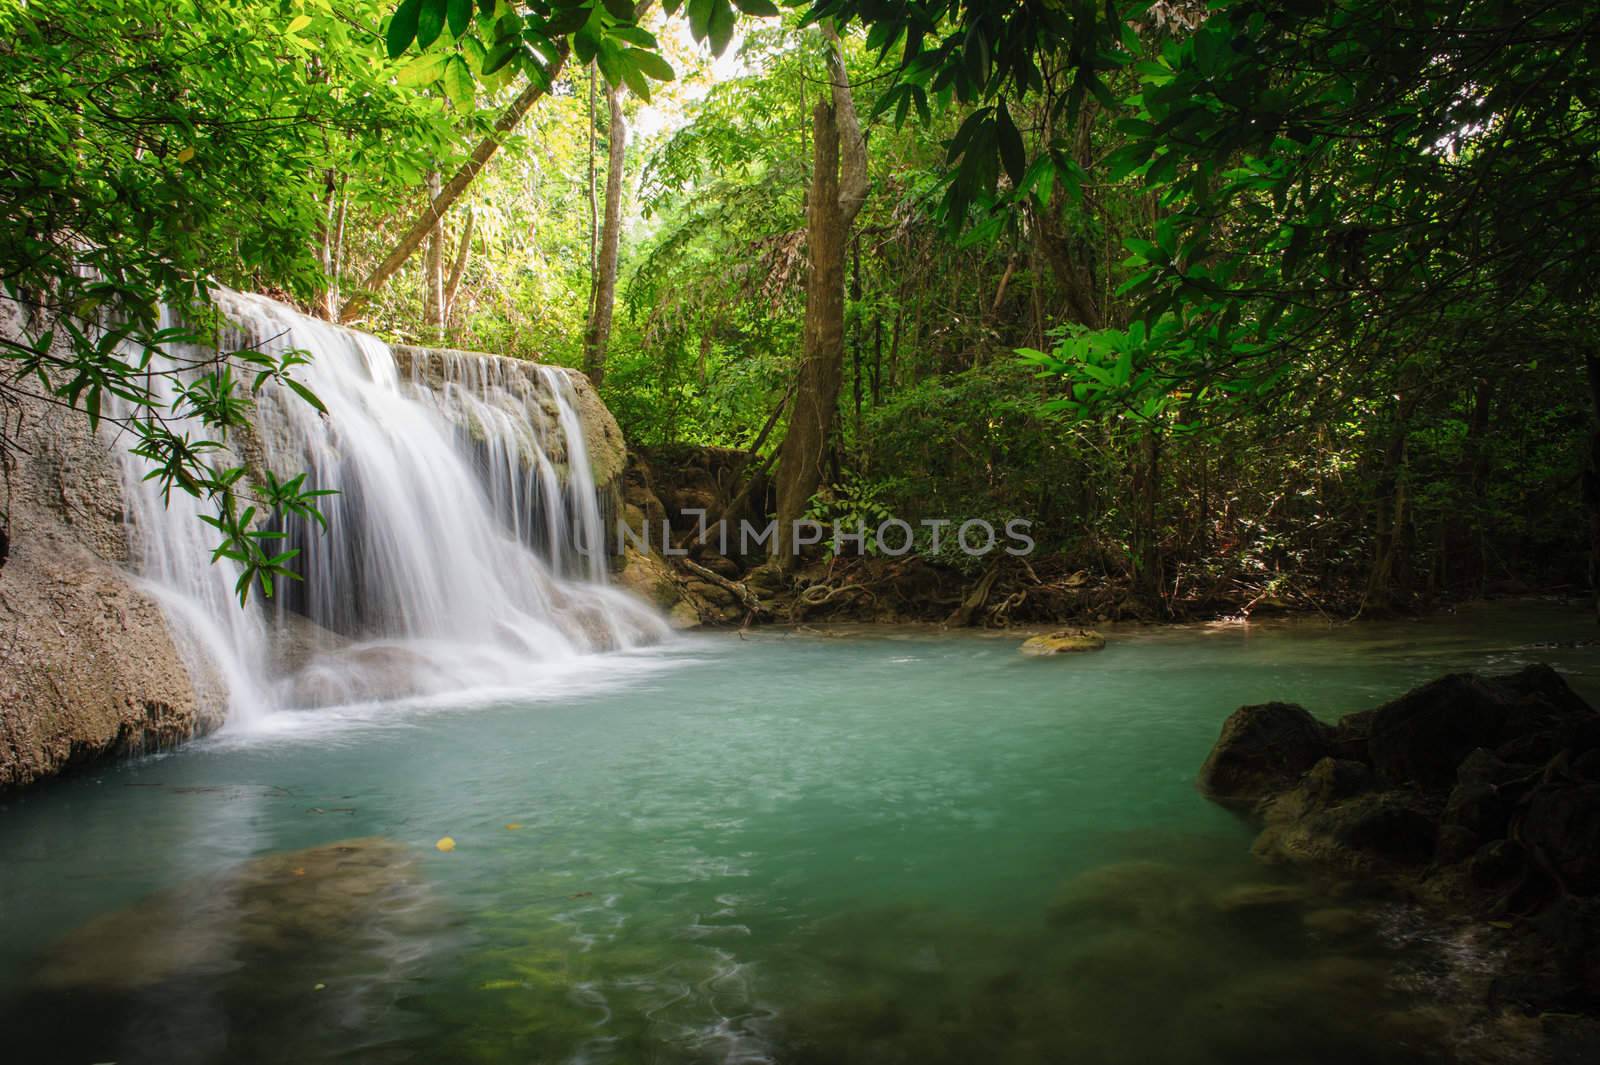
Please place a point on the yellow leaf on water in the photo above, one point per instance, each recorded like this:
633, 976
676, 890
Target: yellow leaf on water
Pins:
446, 844
513, 826
186, 154
299, 871
319, 987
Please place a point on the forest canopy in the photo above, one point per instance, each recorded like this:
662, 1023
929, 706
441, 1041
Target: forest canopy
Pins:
1230, 300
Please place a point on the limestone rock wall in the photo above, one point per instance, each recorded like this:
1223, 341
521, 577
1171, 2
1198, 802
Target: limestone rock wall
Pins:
88, 667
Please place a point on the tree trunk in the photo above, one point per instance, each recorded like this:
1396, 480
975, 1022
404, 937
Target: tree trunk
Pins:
1148, 578
1591, 480
452, 190
605, 277
433, 267
838, 189
1389, 513
801, 454
459, 267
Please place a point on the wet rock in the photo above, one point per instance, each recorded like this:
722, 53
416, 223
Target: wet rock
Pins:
1560, 823
1476, 795
1496, 864
1361, 836
715, 594
1262, 750
1063, 641
683, 616
1351, 735
647, 576
1421, 737
1480, 804
89, 666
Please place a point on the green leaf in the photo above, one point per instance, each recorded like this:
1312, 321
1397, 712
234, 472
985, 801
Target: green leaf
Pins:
651, 65
609, 60
403, 27
430, 22
458, 83
459, 16
423, 70
298, 23
305, 393
700, 18
759, 8
721, 28
500, 55
1012, 154
635, 80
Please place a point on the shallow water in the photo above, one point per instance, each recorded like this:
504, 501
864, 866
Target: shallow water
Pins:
880, 847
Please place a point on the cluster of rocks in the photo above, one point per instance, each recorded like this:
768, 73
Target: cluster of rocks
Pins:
1477, 796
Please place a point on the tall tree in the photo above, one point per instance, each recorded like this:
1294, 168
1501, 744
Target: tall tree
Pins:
838, 189
603, 289
433, 266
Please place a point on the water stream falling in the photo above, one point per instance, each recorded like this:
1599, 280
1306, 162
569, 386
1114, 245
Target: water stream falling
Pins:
465, 545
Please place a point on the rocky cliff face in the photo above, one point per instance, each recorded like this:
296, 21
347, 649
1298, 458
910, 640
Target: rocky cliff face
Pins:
608, 452
88, 666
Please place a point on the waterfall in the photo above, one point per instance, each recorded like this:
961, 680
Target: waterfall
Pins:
465, 548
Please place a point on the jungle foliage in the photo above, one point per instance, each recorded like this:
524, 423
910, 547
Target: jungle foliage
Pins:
1232, 300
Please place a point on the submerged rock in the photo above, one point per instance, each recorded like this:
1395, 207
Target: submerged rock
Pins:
275, 907
1064, 641
281, 958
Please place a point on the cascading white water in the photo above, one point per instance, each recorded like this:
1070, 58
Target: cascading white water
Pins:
455, 557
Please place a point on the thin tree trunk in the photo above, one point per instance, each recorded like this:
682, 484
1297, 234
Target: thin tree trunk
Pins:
594, 202
459, 267
336, 267
1591, 480
1148, 577
1389, 515
839, 184
855, 334
452, 190
605, 277
433, 266
325, 239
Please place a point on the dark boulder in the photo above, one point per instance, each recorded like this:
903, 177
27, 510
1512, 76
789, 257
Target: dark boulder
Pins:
1559, 823
1421, 737
1263, 750
1477, 795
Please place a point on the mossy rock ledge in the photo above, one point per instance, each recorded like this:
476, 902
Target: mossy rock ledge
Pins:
1062, 642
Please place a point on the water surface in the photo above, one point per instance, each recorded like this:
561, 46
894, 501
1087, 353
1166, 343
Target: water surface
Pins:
880, 847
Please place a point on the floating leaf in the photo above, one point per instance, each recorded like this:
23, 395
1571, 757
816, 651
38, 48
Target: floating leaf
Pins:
446, 844
513, 826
